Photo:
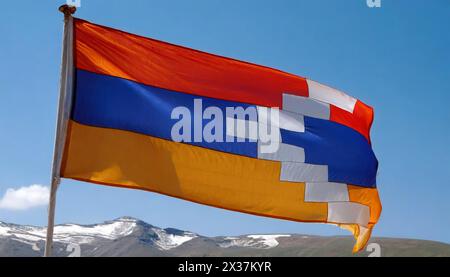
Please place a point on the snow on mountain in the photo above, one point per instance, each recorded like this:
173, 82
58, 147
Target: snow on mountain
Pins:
129, 237
3, 229
72, 233
84, 234
163, 239
168, 241
254, 241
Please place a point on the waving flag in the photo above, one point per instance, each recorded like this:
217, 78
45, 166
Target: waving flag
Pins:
135, 122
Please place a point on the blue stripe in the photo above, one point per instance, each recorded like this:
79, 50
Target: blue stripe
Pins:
111, 102
349, 157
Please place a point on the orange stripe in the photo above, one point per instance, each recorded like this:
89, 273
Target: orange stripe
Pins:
233, 182
368, 197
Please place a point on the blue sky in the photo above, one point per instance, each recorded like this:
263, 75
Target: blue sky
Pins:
395, 58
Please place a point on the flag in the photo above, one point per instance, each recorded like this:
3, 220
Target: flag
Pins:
150, 115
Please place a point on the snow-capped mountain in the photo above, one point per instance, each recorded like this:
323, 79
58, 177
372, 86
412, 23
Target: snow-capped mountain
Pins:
86, 235
128, 236
111, 231
71, 233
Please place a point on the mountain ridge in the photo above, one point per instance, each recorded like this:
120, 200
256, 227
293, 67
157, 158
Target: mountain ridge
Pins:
128, 236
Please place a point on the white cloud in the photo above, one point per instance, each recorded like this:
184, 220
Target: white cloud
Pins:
24, 198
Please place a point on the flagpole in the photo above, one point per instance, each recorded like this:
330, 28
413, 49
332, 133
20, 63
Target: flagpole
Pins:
64, 109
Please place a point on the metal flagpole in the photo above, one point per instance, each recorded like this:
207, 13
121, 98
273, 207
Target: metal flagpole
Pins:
64, 109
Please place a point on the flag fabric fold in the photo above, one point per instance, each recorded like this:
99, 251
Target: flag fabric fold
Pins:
121, 132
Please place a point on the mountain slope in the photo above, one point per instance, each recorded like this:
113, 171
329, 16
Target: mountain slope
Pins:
132, 237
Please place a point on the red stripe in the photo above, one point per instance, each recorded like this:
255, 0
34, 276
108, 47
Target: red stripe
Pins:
108, 51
